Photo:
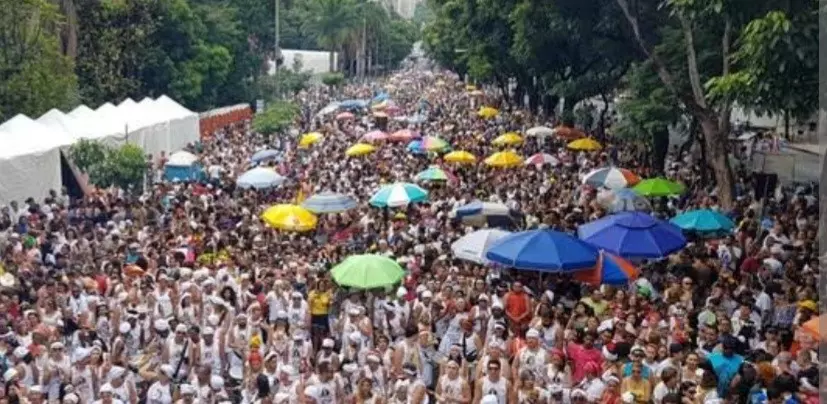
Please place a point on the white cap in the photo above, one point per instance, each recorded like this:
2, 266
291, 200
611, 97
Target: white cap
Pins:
427, 294
124, 327
167, 370
107, 388
161, 325
180, 328
10, 374
71, 398
532, 333
116, 372
216, 382
328, 343
208, 331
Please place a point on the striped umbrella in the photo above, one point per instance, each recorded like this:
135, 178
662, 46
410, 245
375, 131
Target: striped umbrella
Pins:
435, 173
375, 136
397, 195
329, 202
540, 159
610, 270
611, 177
434, 144
404, 135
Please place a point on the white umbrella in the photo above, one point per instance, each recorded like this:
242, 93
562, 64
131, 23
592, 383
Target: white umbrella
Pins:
472, 246
260, 178
540, 131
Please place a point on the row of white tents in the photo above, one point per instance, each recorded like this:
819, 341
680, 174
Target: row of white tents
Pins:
30, 149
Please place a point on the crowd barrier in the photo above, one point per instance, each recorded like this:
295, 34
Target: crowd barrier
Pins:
218, 118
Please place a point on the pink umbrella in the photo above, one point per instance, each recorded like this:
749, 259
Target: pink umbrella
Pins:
345, 116
540, 159
375, 136
404, 135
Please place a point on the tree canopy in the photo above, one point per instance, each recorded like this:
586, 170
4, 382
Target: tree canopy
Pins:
203, 53
663, 59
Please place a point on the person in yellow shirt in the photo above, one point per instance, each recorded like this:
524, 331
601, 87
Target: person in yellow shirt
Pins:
320, 299
596, 302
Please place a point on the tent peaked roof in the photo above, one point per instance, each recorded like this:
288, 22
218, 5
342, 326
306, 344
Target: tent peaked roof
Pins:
55, 119
176, 110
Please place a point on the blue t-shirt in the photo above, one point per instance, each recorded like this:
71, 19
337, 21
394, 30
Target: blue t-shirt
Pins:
627, 370
725, 368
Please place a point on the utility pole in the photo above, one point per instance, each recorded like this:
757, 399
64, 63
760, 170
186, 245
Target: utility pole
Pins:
277, 51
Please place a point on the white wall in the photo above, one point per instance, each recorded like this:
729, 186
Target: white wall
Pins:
317, 62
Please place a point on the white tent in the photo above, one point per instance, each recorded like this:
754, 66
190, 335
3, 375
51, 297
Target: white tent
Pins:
29, 160
30, 150
183, 123
107, 125
64, 125
147, 125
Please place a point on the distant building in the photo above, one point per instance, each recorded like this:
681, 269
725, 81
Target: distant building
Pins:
317, 62
404, 8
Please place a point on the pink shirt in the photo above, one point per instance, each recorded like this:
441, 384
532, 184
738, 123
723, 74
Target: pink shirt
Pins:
580, 356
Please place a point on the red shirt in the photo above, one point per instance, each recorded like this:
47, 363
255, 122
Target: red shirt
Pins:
580, 356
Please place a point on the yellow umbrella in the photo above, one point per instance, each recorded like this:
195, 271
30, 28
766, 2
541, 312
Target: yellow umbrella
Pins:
508, 139
309, 139
504, 159
360, 149
585, 143
470, 87
460, 157
289, 217
487, 112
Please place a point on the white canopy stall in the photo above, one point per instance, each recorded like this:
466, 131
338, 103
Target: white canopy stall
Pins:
29, 160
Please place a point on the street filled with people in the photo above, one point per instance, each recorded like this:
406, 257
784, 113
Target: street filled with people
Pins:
412, 241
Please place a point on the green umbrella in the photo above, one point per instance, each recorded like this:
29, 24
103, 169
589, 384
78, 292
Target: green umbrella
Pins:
658, 187
367, 271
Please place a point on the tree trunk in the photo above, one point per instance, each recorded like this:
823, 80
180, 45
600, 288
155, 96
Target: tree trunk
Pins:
717, 144
660, 147
715, 134
332, 60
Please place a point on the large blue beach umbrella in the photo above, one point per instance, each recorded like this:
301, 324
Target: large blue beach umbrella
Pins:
266, 154
633, 235
260, 178
704, 221
353, 104
544, 251
329, 202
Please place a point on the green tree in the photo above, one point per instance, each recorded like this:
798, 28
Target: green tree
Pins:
122, 167
34, 75
86, 153
276, 118
331, 23
777, 60
646, 110
333, 79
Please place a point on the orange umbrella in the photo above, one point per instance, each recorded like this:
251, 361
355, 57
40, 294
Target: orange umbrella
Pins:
568, 133
812, 326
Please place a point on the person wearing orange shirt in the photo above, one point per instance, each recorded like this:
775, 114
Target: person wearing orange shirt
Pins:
517, 307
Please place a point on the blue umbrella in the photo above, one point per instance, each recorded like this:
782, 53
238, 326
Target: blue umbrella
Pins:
329, 202
260, 178
543, 250
381, 97
480, 213
703, 221
353, 104
633, 235
264, 155
415, 147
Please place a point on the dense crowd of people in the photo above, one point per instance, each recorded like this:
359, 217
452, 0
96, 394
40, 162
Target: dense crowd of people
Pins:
183, 295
